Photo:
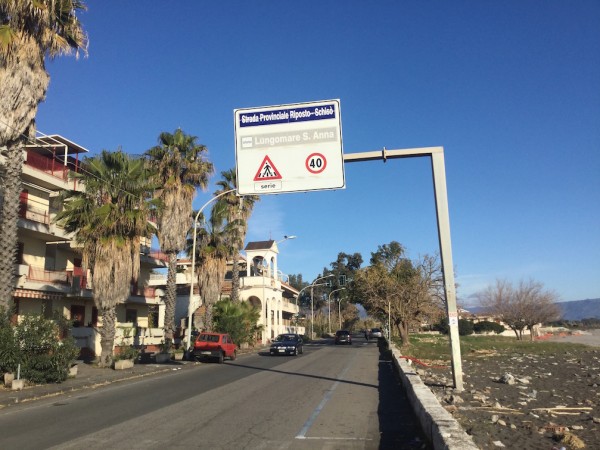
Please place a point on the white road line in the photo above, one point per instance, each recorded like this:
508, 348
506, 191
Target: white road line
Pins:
319, 408
316, 438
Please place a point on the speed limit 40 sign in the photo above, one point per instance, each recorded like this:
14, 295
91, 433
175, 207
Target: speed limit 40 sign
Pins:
316, 163
289, 148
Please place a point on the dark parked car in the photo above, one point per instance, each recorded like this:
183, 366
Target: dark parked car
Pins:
286, 344
343, 337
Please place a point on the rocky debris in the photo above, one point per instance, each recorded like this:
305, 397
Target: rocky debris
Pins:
571, 440
507, 378
512, 399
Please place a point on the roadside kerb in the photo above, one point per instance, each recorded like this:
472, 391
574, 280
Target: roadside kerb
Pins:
443, 431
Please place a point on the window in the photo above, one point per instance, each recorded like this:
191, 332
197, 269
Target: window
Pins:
20, 251
153, 316
131, 315
47, 309
94, 317
78, 315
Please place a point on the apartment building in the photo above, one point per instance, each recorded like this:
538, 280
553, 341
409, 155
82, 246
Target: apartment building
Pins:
50, 276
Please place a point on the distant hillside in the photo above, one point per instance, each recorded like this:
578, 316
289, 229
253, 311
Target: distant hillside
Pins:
581, 309
574, 310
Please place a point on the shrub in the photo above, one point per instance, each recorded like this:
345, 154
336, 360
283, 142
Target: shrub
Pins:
9, 350
488, 327
35, 344
126, 352
465, 327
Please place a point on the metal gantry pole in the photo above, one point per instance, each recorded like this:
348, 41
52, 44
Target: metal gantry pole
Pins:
443, 219
443, 223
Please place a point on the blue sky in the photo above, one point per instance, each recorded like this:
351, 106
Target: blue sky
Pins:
510, 89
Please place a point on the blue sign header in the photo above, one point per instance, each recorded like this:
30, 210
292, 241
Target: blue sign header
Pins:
288, 115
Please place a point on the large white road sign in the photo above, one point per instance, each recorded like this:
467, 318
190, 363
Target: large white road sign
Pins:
289, 148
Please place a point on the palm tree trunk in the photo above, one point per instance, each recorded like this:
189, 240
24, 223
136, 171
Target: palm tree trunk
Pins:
235, 280
107, 336
170, 298
23, 84
9, 221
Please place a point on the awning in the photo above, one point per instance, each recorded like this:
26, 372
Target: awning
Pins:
43, 295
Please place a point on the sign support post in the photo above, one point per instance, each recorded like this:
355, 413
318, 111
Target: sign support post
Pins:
304, 141
443, 222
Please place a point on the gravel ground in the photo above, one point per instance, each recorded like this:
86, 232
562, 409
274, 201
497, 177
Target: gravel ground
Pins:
520, 401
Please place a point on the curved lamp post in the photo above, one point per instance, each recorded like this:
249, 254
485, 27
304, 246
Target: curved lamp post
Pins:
285, 238
329, 308
190, 310
312, 303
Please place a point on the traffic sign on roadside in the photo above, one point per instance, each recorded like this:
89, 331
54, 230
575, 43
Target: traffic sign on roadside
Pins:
289, 148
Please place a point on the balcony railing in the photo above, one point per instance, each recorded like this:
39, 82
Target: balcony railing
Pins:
48, 276
48, 165
75, 278
26, 211
154, 253
143, 291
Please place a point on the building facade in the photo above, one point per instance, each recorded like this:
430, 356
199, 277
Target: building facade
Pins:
50, 278
261, 283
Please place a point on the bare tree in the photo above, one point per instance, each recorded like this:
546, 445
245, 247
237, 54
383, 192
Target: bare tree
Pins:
521, 307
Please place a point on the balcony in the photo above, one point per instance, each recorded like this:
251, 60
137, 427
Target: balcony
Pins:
154, 257
48, 276
49, 171
160, 279
35, 214
143, 291
289, 307
46, 164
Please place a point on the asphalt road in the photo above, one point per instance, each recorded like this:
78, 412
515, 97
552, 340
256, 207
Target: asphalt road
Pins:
331, 397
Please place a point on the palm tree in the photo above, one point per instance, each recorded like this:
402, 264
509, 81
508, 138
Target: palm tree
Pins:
29, 31
178, 167
239, 209
216, 241
109, 219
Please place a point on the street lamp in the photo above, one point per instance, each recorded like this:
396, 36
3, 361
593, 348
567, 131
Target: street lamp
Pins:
190, 310
329, 308
285, 238
312, 304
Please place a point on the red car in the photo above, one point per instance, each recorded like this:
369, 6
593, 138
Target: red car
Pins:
216, 346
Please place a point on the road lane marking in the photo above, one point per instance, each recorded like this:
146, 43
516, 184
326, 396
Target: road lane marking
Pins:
319, 408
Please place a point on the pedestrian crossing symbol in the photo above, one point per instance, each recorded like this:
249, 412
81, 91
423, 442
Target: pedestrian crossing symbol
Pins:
267, 171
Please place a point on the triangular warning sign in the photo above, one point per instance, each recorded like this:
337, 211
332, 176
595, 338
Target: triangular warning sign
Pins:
267, 171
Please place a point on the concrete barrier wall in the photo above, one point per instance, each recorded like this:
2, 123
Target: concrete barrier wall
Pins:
443, 431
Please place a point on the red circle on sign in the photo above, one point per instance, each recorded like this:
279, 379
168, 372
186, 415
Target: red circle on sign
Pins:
316, 163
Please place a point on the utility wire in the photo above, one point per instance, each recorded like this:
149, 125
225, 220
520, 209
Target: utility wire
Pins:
35, 141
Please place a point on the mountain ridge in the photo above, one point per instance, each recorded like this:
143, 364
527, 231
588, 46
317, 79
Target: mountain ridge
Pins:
572, 310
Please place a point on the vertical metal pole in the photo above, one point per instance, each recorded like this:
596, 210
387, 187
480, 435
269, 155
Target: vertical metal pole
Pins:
443, 218
329, 315
312, 314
